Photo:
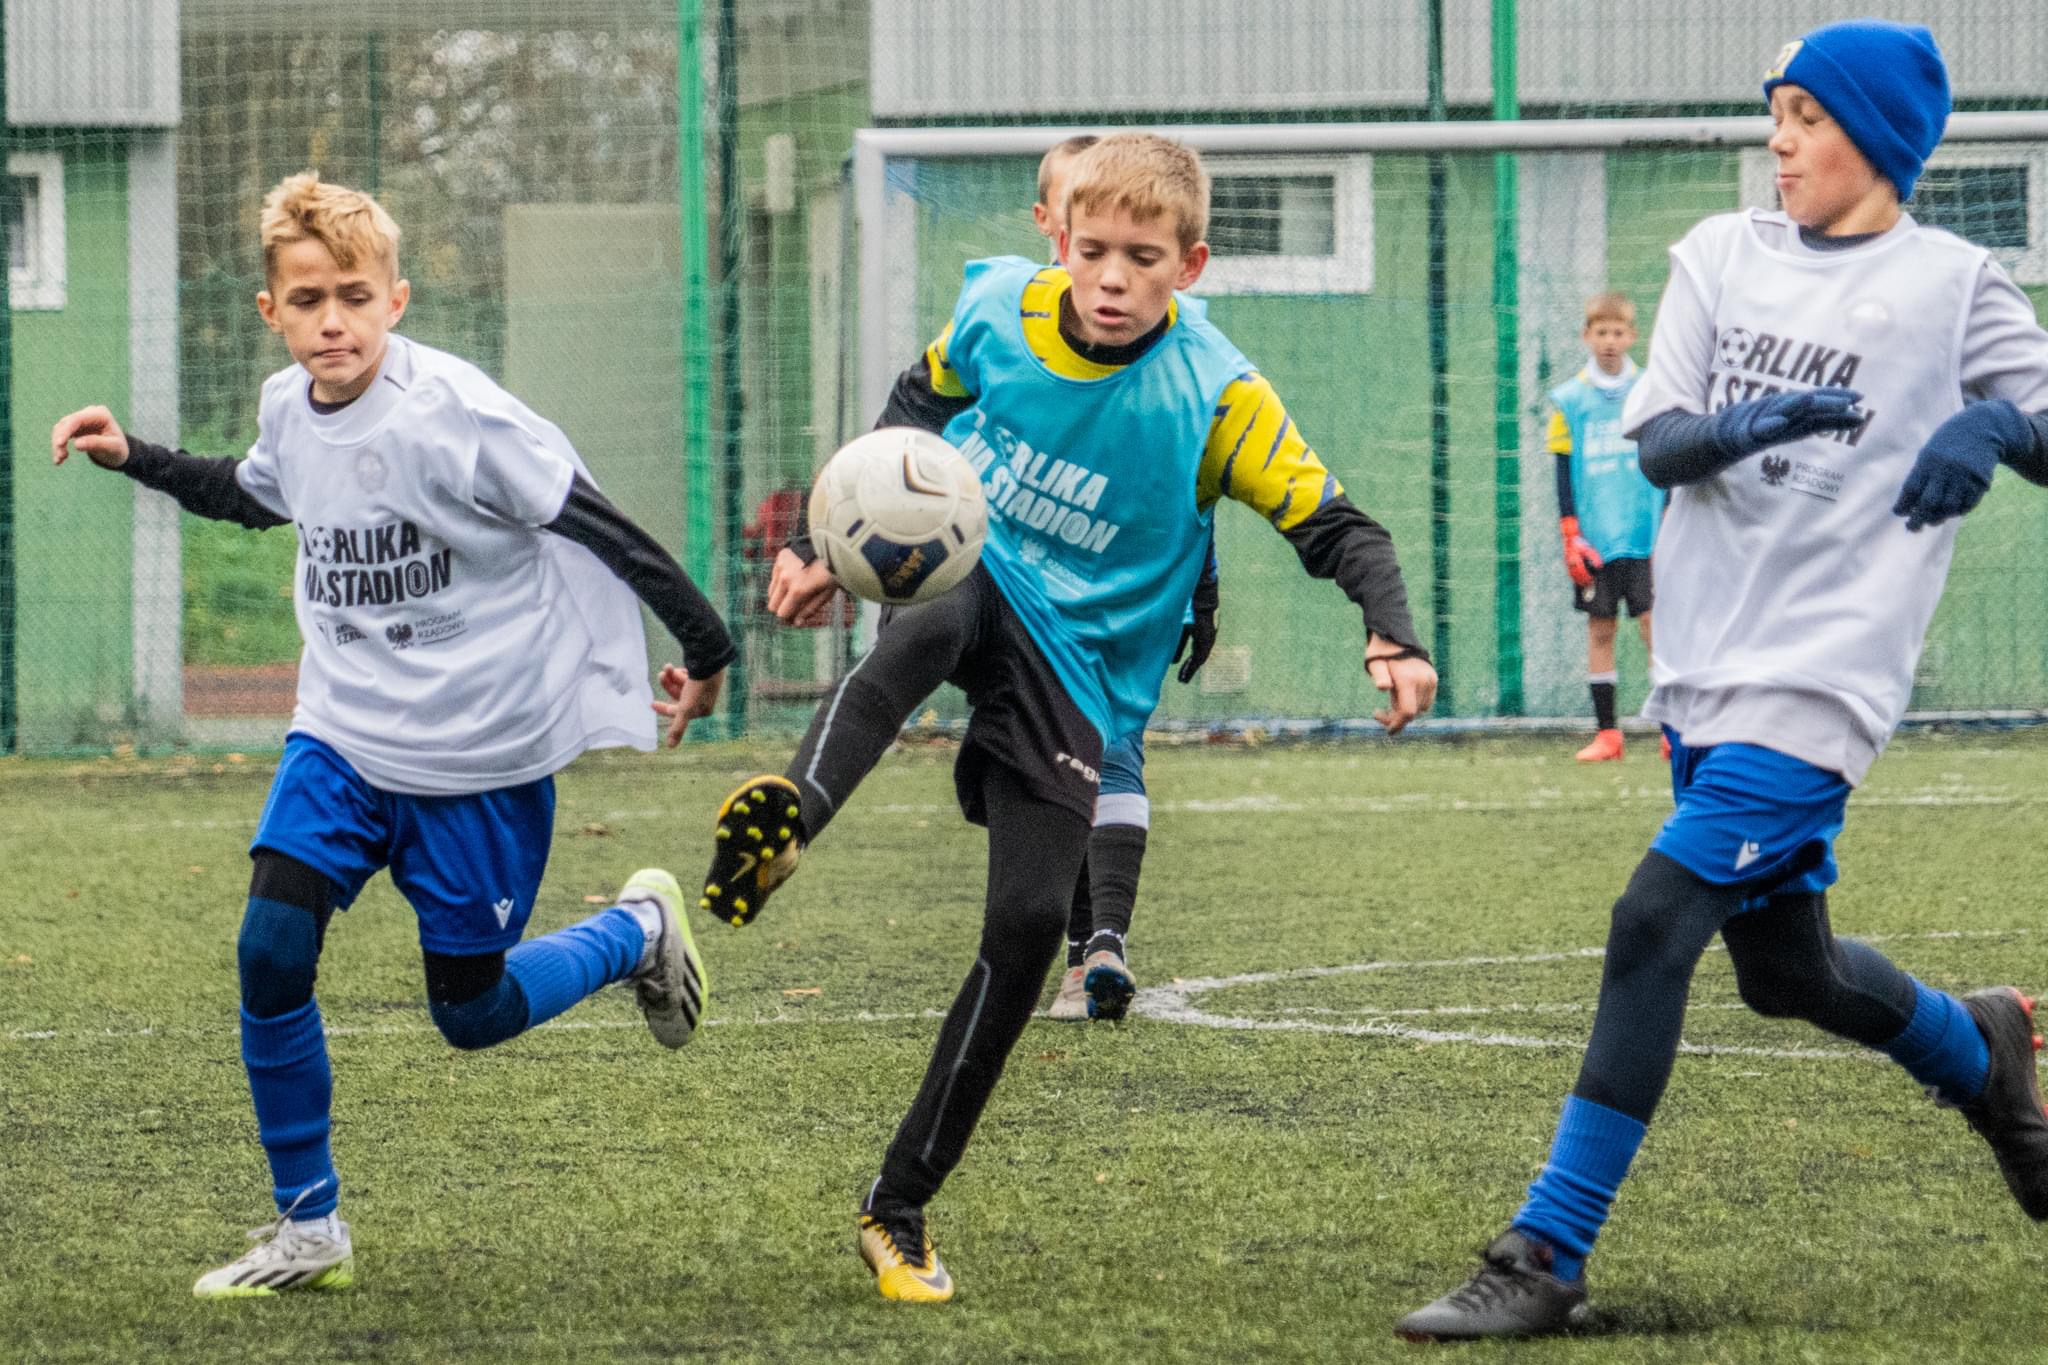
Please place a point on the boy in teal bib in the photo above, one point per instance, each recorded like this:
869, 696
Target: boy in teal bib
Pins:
1107, 418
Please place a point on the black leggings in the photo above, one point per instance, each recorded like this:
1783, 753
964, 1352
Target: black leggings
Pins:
1035, 848
1788, 964
918, 648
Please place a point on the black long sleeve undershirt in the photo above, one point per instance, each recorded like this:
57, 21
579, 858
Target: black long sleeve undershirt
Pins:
208, 488
204, 487
588, 518
1567, 505
1337, 541
1678, 447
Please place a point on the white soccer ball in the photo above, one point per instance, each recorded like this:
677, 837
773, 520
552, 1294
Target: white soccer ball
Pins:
898, 516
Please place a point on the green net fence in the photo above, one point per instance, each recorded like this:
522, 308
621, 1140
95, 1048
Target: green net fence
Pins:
642, 218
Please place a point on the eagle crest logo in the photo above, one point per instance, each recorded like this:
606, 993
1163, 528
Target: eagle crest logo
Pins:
1775, 468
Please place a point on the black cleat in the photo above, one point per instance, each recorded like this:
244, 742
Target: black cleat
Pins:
1109, 985
2008, 1115
1512, 1294
754, 848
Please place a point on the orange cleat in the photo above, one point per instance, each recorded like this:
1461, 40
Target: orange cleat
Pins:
1605, 748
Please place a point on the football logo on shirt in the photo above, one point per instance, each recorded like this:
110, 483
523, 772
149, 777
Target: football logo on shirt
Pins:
1735, 346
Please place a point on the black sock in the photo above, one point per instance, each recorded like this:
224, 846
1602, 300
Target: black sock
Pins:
1603, 704
1080, 919
1116, 853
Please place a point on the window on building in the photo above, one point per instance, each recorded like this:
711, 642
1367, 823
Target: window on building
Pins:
35, 229
1289, 225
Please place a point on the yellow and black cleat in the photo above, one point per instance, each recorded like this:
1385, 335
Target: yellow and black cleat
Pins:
900, 1256
754, 848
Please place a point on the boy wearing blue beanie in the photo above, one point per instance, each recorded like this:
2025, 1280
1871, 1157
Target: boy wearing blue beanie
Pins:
1882, 370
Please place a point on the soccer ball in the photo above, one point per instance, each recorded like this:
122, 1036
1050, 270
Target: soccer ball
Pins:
898, 516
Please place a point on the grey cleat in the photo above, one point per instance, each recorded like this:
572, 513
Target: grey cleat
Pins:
1512, 1294
2008, 1115
1071, 1004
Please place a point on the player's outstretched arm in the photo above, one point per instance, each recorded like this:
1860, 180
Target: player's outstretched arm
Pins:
589, 519
203, 487
1286, 483
1953, 470
1677, 447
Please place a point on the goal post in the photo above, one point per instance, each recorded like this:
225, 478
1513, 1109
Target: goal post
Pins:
1321, 272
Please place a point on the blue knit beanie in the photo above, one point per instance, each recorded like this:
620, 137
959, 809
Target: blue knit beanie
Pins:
1884, 83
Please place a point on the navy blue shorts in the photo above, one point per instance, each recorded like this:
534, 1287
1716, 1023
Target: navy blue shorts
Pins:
470, 865
1753, 817
1123, 766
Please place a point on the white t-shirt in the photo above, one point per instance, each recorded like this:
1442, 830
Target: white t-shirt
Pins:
1791, 602
450, 645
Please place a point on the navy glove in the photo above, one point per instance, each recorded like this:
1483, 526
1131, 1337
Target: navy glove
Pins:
1953, 470
1742, 429
1198, 637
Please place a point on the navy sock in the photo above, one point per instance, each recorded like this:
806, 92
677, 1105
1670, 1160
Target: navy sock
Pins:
484, 1020
559, 969
293, 1088
1941, 1047
1569, 1199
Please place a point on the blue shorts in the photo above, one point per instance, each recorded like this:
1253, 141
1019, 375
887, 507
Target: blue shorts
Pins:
470, 865
1753, 817
1123, 766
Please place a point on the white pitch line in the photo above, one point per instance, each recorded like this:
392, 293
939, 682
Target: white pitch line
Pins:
1173, 1003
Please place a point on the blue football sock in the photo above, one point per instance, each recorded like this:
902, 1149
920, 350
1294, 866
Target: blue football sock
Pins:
559, 969
293, 1088
1941, 1047
1569, 1199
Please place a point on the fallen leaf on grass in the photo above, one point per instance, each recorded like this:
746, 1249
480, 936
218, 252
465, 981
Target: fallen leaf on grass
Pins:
597, 900
805, 990
596, 830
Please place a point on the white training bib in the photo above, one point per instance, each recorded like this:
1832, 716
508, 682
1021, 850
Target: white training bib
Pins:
450, 645
1791, 602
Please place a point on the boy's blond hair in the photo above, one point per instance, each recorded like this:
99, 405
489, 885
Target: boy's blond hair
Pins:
1059, 152
1146, 176
1612, 306
350, 224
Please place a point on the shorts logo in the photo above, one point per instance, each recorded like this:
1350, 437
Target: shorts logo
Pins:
1747, 854
1069, 761
504, 911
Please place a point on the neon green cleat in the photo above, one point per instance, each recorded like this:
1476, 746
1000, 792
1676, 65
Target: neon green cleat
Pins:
311, 1254
756, 844
673, 988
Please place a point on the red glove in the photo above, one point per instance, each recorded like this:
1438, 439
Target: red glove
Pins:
1580, 558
